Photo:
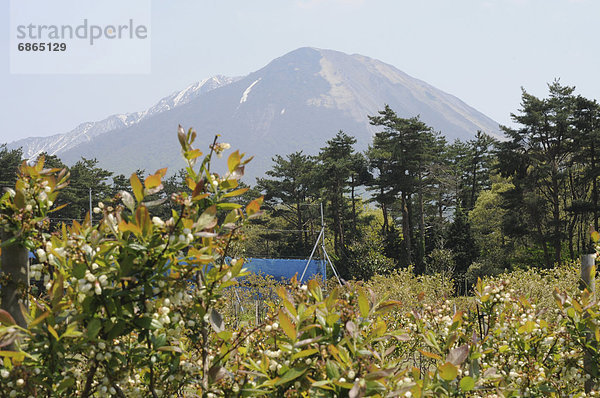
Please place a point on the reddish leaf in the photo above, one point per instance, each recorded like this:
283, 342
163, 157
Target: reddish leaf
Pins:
430, 355
142, 218
152, 181
458, 355
254, 206
287, 325
6, 319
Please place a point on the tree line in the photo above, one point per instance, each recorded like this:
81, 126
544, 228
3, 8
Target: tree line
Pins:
87, 180
467, 208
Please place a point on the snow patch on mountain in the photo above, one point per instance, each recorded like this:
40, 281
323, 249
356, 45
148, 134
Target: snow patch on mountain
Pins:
247, 91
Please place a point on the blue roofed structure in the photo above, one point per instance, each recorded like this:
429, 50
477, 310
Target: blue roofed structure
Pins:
285, 268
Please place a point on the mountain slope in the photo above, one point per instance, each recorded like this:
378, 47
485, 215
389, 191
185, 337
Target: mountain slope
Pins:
85, 132
296, 102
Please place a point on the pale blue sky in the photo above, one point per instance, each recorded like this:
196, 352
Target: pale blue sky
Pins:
481, 51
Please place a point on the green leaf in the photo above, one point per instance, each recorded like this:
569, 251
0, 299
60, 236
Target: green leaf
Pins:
315, 289
290, 375
374, 387
467, 383
229, 184
159, 341
144, 322
170, 348
20, 199
136, 186
363, 303
72, 331
53, 332
93, 328
387, 305
448, 371
231, 217
237, 192
305, 353
228, 206
117, 330
233, 161
79, 270
39, 319
66, 383
332, 369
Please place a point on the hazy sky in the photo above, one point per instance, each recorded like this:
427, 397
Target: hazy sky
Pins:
480, 51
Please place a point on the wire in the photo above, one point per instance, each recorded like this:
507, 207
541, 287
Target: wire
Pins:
286, 230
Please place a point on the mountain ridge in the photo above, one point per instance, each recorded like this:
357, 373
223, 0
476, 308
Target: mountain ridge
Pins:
57, 143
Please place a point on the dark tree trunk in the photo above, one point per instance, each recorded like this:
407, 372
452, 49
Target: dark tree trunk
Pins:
594, 186
385, 227
354, 230
556, 241
406, 227
14, 260
421, 224
542, 241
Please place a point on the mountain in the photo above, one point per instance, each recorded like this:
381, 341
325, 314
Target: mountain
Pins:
296, 102
59, 143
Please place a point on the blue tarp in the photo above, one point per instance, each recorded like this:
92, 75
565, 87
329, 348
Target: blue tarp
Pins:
286, 269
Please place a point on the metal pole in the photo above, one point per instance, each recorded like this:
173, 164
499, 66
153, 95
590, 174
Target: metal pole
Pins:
323, 226
312, 254
333, 267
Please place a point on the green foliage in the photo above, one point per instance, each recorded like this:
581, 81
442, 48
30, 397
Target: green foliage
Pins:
399, 157
9, 163
289, 193
85, 175
366, 257
343, 170
461, 242
552, 159
137, 305
24, 209
118, 292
